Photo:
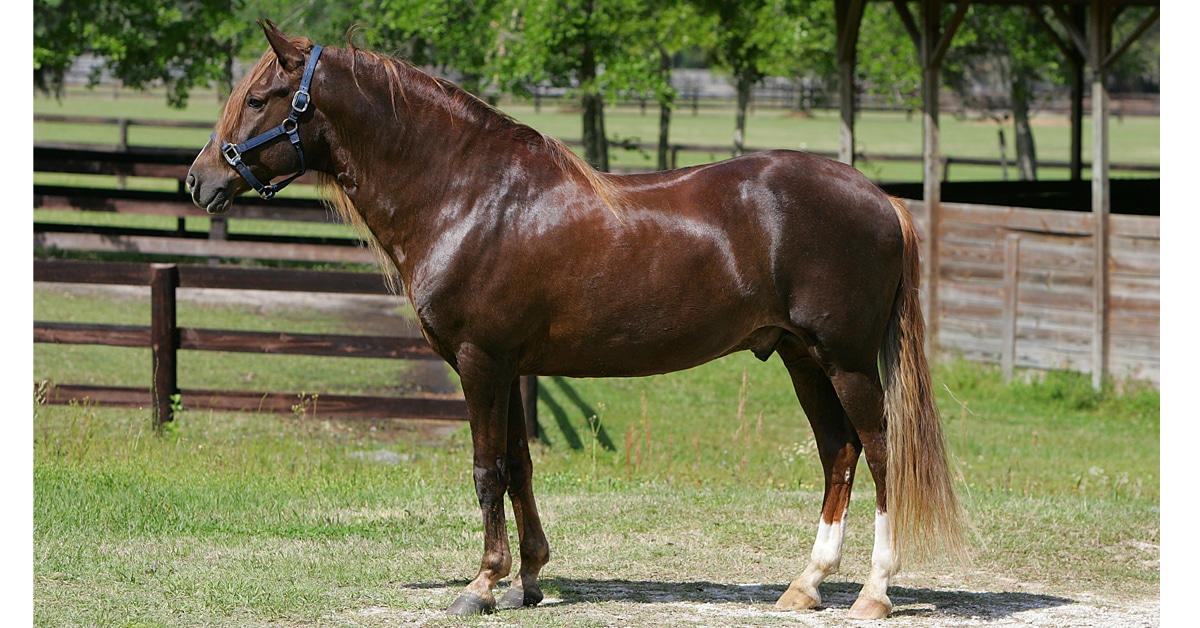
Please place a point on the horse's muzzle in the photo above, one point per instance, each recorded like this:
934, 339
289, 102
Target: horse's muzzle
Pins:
214, 199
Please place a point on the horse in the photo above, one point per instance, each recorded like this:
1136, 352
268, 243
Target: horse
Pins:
521, 259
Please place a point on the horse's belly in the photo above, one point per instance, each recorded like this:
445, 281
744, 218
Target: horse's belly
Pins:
633, 350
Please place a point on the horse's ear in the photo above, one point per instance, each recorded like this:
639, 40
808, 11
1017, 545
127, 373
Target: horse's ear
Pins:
290, 57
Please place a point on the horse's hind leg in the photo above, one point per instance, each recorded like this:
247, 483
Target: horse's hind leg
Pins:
862, 398
839, 447
535, 551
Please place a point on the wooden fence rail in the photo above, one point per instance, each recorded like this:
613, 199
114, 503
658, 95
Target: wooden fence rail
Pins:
165, 339
172, 164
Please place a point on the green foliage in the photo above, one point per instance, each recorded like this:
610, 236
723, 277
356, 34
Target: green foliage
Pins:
455, 36
773, 37
888, 63
180, 43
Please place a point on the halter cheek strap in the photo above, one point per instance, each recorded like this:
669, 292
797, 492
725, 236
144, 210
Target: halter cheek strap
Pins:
290, 127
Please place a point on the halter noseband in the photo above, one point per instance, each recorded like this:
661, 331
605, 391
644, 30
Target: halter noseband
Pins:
290, 127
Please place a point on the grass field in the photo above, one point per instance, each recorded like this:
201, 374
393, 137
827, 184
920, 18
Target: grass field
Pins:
694, 488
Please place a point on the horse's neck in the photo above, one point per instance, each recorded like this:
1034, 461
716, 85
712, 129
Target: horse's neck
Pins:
397, 156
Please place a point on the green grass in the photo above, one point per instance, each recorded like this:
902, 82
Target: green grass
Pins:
261, 520
276, 520
1134, 140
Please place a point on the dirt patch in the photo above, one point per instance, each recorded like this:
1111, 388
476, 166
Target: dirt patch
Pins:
622, 603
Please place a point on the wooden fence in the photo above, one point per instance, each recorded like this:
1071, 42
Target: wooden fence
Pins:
1015, 288
162, 335
171, 164
165, 339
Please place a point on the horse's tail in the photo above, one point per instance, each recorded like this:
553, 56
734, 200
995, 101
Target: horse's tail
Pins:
921, 501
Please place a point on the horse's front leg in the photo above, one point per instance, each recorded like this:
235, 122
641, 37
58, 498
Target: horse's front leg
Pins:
535, 551
486, 385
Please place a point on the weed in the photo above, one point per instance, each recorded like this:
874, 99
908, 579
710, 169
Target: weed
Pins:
305, 403
72, 443
1063, 389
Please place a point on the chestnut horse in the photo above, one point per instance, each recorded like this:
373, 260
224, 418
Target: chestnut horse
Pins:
520, 259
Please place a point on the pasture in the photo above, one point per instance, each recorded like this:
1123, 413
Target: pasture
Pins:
676, 500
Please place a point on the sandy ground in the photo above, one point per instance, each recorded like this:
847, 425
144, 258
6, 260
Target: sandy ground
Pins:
617, 603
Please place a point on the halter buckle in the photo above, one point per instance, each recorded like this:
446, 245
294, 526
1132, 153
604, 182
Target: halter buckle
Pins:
300, 101
231, 154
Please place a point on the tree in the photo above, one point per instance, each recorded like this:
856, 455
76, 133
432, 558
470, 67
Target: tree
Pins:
324, 21
1003, 46
579, 44
182, 43
659, 30
757, 38
887, 57
455, 36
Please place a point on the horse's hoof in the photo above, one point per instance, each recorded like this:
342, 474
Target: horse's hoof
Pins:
470, 604
518, 597
795, 600
866, 608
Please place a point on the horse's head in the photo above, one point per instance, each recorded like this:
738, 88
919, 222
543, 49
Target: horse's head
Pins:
264, 130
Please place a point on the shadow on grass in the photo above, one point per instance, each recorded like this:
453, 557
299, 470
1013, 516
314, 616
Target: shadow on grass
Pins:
838, 596
563, 419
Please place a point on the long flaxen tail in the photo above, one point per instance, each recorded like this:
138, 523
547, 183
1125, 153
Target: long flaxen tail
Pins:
921, 500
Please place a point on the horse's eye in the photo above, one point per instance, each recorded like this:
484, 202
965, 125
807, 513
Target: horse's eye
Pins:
254, 102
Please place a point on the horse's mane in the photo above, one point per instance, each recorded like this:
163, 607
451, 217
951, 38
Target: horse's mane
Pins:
402, 76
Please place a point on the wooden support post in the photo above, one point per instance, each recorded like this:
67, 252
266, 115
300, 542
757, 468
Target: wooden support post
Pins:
1096, 47
933, 41
164, 341
529, 395
931, 178
1099, 38
1008, 352
218, 230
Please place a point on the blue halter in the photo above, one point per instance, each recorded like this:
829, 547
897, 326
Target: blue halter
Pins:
290, 127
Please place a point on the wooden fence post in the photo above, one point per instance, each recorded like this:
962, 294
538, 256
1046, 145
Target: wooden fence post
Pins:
164, 340
1008, 352
219, 231
529, 394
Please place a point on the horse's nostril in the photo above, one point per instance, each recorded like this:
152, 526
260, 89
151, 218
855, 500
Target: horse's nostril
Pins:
191, 181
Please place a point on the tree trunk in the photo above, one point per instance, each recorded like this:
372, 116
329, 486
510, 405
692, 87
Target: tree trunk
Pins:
1022, 132
595, 146
665, 104
745, 83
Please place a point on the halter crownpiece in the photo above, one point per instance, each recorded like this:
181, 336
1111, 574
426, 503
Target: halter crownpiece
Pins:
289, 127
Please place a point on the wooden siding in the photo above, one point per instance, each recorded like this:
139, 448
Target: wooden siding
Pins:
1054, 288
